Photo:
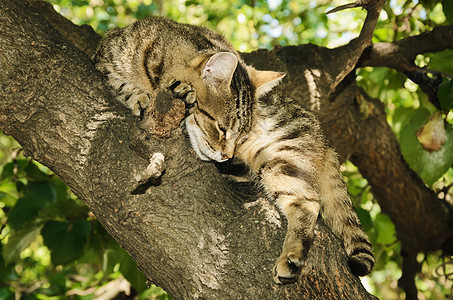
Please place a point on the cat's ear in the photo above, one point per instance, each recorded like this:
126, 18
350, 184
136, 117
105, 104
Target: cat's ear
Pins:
264, 81
219, 69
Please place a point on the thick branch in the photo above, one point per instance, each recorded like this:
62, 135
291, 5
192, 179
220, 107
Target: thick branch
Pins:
192, 234
83, 37
400, 55
424, 221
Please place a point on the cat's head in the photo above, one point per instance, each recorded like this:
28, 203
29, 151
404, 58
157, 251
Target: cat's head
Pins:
226, 91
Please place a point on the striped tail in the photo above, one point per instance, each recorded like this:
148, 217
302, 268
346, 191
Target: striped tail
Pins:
340, 215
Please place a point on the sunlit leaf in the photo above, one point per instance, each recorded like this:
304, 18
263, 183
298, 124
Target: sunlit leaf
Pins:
386, 233
429, 165
18, 241
7, 199
401, 117
365, 218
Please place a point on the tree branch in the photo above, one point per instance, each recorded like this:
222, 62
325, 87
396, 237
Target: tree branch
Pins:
400, 56
91, 157
192, 234
83, 37
346, 57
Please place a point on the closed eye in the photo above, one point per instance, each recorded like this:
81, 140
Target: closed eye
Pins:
206, 114
223, 129
209, 146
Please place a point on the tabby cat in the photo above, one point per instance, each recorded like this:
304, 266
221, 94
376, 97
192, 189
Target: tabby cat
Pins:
234, 113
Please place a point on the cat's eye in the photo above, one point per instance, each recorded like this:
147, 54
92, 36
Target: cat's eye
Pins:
222, 129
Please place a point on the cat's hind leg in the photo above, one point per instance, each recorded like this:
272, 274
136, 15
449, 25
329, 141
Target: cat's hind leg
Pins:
302, 216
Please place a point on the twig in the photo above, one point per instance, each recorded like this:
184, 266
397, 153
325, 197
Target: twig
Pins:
347, 6
348, 55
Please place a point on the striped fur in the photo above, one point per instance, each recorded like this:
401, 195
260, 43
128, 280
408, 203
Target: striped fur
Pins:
288, 152
137, 62
234, 113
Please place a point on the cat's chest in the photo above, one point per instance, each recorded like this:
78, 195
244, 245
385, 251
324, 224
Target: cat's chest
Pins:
260, 138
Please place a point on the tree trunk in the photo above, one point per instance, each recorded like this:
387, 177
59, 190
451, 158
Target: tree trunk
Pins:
196, 234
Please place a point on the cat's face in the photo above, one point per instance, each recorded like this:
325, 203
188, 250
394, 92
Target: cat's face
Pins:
223, 110
210, 140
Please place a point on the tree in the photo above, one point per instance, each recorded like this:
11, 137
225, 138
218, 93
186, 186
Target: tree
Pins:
194, 233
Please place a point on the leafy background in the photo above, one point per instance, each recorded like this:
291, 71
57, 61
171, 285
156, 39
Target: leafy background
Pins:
52, 247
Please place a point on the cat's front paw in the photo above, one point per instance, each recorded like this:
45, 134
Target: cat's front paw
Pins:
182, 91
288, 266
137, 103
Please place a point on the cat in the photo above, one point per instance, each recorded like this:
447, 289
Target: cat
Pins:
234, 112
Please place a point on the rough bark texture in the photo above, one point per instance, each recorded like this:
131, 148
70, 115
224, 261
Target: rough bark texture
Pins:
196, 234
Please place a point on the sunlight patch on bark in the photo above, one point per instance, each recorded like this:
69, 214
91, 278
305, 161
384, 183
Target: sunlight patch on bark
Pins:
270, 211
92, 126
315, 96
212, 267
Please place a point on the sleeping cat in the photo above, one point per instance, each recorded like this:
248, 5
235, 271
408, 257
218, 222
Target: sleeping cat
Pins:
235, 113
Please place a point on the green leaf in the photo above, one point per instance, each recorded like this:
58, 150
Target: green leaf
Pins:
63, 209
430, 166
385, 229
365, 218
442, 61
401, 117
99, 249
109, 260
382, 257
34, 173
129, 269
113, 255
7, 199
448, 10
58, 283
18, 241
445, 94
6, 294
37, 195
66, 240
40, 193
8, 169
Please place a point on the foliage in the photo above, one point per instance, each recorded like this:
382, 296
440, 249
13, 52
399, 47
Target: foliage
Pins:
52, 245
435, 280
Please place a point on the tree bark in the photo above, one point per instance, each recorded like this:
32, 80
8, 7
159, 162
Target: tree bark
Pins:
196, 234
